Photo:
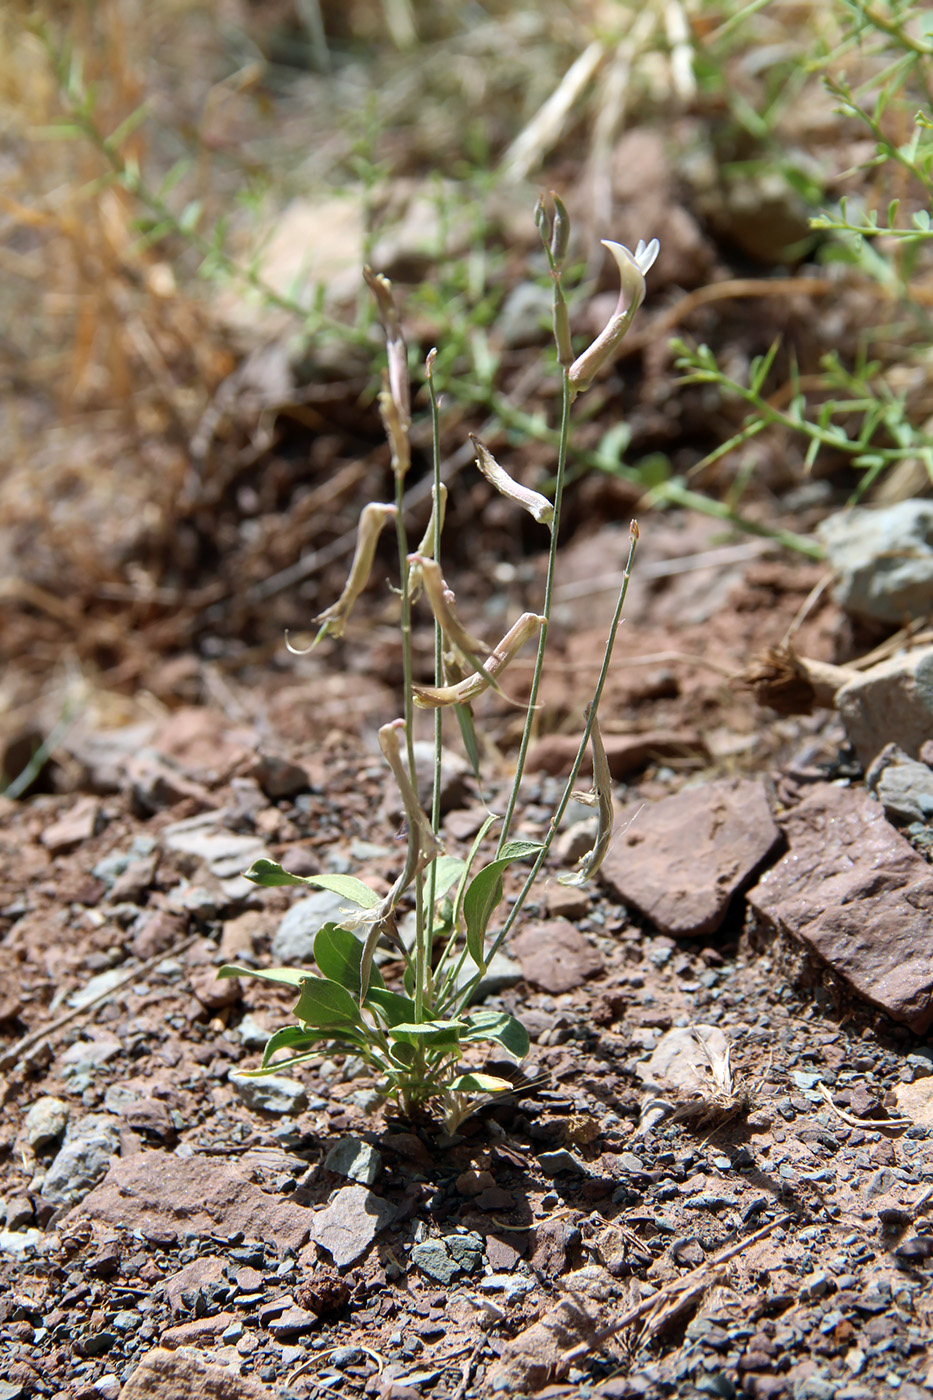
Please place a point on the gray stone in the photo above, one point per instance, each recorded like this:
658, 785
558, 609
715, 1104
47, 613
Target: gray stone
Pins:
860, 897
354, 1159
630, 1163
347, 1227
816, 1285
680, 861
293, 944
553, 1163
203, 840
466, 1249
46, 1120
891, 702
503, 972
18, 1243
95, 987
274, 1093
882, 560
432, 1258
81, 1061
903, 785
880, 1183
83, 1159
252, 1035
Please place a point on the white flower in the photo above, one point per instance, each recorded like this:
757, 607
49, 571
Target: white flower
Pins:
632, 268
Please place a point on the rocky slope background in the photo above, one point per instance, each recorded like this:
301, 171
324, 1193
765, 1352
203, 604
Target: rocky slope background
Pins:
713, 1174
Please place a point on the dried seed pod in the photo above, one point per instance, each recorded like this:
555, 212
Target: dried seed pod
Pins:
432, 697
441, 599
333, 620
537, 505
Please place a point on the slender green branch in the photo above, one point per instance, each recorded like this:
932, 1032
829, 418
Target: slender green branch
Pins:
556, 819
566, 399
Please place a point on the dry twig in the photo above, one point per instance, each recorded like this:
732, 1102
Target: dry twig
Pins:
690, 1285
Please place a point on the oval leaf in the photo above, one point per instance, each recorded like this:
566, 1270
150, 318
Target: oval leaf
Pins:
394, 1009
448, 871
438, 1035
500, 1027
476, 1083
484, 893
288, 1038
269, 873
287, 976
338, 954
326, 1004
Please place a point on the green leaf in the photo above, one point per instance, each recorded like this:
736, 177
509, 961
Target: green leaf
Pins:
282, 1065
500, 1027
519, 850
485, 892
286, 976
438, 1035
448, 871
394, 1009
269, 874
326, 1004
475, 1083
338, 954
289, 1038
464, 715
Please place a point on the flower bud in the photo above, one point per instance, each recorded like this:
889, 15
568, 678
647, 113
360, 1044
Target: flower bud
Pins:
632, 268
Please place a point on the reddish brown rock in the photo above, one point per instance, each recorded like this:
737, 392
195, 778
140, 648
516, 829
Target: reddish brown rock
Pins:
536, 1356
555, 956
205, 1270
627, 753
858, 894
166, 1375
75, 827
680, 861
198, 1331
162, 1194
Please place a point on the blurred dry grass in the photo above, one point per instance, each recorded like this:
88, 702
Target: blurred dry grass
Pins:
139, 486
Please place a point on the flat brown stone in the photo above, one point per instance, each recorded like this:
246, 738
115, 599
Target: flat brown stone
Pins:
626, 753
858, 894
555, 956
680, 861
169, 1375
159, 1192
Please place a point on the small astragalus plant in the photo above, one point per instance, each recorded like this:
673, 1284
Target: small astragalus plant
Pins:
420, 1039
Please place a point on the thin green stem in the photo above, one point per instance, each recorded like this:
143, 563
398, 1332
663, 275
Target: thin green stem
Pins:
438, 669
676, 495
566, 399
465, 993
408, 715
